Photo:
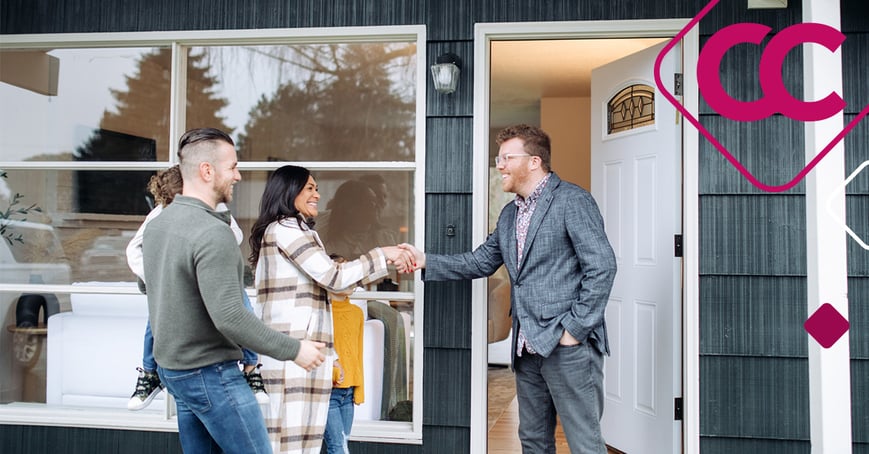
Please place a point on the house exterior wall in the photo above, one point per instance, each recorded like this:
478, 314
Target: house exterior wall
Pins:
753, 366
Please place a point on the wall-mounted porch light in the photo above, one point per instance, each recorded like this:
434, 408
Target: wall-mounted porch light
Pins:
445, 73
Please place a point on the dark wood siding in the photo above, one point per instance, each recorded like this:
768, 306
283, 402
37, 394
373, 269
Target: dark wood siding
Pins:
75, 440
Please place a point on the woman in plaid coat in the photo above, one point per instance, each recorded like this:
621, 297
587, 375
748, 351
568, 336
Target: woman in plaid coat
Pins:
293, 275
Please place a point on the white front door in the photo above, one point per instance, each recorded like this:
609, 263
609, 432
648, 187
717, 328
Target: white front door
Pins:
636, 180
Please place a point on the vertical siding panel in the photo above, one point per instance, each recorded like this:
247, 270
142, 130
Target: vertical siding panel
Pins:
447, 390
443, 211
753, 316
753, 235
855, 60
448, 314
450, 20
449, 155
772, 150
755, 397
860, 413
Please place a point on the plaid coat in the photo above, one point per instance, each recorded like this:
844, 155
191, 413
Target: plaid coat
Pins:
293, 275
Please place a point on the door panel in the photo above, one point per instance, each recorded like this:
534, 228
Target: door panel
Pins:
636, 180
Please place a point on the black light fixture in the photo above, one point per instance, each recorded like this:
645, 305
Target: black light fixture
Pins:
445, 73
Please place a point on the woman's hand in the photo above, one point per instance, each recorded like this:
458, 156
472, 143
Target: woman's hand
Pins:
418, 256
401, 258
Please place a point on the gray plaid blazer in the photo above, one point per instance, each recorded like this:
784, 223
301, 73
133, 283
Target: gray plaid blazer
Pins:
566, 274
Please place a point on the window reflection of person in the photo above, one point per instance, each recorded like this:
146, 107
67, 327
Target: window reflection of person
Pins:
354, 220
377, 183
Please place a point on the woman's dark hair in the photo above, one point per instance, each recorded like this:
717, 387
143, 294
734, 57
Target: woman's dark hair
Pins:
278, 202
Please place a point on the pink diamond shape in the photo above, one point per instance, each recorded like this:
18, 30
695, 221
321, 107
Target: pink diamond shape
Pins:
721, 149
826, 325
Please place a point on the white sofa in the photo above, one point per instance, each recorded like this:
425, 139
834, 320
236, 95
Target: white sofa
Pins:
93, 351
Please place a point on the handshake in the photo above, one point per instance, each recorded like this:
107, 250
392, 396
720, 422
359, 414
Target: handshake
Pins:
405, 257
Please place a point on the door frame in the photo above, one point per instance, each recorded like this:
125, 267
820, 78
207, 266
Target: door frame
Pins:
484, 34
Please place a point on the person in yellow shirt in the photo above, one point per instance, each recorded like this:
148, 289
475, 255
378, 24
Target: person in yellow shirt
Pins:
347, 378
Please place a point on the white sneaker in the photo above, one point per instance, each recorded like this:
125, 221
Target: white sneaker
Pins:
147, 387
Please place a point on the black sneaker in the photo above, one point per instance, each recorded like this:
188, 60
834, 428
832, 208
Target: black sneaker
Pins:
255, 381
147, 387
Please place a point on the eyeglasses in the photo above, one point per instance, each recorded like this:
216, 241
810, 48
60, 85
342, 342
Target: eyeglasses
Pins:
503, 159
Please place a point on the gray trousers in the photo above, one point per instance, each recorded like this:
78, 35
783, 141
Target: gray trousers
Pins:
570, 383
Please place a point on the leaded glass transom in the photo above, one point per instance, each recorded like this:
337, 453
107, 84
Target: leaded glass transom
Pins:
631, 108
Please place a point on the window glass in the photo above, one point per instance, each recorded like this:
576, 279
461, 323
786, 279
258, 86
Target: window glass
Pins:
358, 210
95, 105
312, 102
69, 224
65, 226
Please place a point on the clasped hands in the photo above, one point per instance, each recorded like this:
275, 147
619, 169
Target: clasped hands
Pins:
405, 257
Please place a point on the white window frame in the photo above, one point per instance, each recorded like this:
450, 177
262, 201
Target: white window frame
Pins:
374, 431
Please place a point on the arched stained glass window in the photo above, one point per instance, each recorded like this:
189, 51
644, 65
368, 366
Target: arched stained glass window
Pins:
631, 108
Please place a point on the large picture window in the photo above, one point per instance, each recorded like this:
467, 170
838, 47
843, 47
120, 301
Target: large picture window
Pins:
76, 153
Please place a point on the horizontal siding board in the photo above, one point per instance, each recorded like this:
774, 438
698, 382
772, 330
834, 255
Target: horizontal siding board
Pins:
448, 314
449, 155
525, 10
727, 13
716, 445
750, 397
436, 440
773, 150
447, 389
753, 316
753, 234
157, 15
75, 440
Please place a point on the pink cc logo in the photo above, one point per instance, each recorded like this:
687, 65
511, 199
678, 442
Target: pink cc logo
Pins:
776, 98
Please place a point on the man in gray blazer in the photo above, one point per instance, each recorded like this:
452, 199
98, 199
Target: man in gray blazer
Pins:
561, 266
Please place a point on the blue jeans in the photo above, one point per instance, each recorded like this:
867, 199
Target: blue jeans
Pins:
216, 410
340, 420
249, 358
570, 383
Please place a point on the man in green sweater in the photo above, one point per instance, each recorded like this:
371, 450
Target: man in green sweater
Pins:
193, 267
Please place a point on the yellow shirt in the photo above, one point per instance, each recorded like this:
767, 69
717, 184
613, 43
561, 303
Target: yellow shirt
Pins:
348, 322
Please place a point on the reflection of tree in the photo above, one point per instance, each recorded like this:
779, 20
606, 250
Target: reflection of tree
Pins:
347, 108
138, 130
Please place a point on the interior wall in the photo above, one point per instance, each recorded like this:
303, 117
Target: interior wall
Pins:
568, 122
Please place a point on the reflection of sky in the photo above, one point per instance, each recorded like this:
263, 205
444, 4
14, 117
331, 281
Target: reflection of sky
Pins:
32, 124
243, 76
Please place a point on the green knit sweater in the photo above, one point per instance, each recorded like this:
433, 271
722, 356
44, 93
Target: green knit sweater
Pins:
193, 268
